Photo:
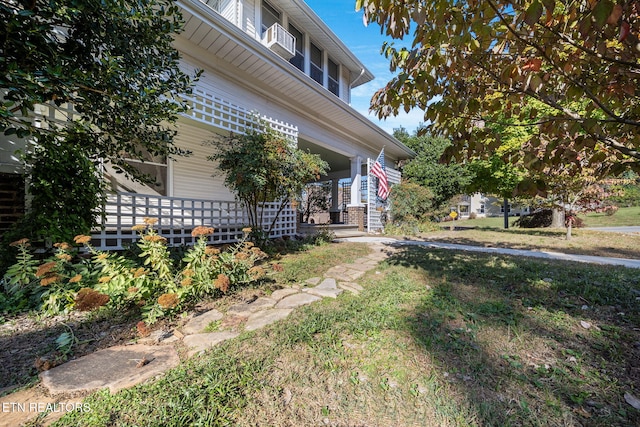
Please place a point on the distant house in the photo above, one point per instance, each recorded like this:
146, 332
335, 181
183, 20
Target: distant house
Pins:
481, 205
275, 58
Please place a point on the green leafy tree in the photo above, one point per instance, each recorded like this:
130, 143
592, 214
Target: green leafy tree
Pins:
497, 177
263, 167
626, 190
472, 62
445, 180
112, 62
411, 204
65, 193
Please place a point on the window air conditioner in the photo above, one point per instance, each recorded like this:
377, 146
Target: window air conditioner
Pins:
280, 41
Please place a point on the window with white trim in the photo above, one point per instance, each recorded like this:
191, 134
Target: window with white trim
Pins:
317, 72
298, 59
334, 78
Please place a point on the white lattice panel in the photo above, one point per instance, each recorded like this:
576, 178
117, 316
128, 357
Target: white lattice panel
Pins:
177, 217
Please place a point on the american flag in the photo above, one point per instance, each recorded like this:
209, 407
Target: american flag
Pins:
378, 171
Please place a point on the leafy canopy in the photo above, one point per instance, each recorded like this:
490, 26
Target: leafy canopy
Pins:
112, 61
445, 180
263, 166
473, 62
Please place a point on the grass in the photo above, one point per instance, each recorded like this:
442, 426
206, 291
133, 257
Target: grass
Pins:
300, 266
623, 217
437, 338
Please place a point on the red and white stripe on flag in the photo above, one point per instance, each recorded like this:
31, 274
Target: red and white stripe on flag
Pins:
378, 170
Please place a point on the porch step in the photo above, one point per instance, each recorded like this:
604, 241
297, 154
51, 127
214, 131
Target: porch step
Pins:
340, 230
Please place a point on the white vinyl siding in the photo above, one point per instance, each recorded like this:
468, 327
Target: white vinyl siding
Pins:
228, 10
249, 17
193, 175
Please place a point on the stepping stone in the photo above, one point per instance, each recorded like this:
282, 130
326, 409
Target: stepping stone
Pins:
337, 271
362, 267
351, 285
282, 293
313, 281
297, 300
262, 303
199, 323
348, 287
199, 343
25, 405
353, 275
328, 283
242, 309
245, 309
263, 318
325, 293
114, 368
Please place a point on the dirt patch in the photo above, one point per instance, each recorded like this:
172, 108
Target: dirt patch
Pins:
29, 344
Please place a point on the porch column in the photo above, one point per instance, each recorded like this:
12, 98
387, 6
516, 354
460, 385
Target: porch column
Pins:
356, 208
334, 212
356, 181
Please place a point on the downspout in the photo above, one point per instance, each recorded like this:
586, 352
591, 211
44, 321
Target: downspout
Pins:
354, 82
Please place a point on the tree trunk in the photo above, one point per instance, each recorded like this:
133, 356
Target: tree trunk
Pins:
569, 225
506, 213
557, 219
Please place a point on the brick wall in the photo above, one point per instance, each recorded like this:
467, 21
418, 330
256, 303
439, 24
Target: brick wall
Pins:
11, 199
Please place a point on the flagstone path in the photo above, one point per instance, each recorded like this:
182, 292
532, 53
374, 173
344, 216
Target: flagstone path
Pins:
121, 367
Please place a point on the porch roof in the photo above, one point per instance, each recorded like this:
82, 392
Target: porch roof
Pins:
222, 46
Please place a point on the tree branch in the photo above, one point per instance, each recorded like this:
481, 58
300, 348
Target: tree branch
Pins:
561, 71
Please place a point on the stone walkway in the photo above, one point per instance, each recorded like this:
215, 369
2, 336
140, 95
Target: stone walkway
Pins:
121, 367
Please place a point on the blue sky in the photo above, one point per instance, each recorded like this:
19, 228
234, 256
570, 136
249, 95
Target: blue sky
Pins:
365, 43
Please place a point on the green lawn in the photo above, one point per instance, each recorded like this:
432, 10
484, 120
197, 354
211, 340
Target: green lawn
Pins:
624, 217
437, 338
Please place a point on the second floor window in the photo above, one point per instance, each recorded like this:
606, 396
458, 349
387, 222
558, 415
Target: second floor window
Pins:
270, 16
334, 81
298, 60
316, 64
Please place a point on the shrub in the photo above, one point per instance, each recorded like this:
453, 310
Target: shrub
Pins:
49, 286
544, 217
610, 210
410, 203
153, 281
536, 219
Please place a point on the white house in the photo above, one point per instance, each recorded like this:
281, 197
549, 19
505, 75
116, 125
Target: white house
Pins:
276, 58
481, 205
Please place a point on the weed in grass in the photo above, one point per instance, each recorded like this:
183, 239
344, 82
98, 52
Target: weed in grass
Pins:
213, 326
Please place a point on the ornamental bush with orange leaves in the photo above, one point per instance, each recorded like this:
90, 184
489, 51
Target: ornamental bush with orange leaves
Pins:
152, 281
